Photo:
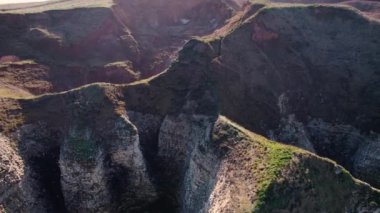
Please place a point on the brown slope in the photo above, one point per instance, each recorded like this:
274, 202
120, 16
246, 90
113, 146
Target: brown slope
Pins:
82, 42
299, 75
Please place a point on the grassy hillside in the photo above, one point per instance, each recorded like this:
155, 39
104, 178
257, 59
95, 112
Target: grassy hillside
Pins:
288, 179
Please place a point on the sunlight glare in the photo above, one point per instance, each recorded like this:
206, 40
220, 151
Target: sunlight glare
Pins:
20, 1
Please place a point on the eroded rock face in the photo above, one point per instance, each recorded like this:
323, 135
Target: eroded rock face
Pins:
301, 76
184, 143
83, 173
23, 78
79, 46
80, 167
162, 27
355, 150
161, 144
92, 164
366, 161
211, 166
69, 44
12, 196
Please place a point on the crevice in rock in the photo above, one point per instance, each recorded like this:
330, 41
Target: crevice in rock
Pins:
159, 170
163, 176
118, 181
48, 176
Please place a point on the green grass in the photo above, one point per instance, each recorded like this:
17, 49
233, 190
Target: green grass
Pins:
289, 179
311, 184
271, 158
83, 149
278, 157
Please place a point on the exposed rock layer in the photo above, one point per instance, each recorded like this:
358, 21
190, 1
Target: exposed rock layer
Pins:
101, 42
161, 144
301, 75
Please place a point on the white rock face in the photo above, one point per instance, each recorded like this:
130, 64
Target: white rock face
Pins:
11, 176
85, 161
200, 179
85, 175
84, 186
179, 135
126, 152
35, 144
185, 139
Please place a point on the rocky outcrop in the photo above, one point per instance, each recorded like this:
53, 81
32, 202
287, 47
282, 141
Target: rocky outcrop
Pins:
83, 173
79, 167
366, 161
184, 143
11, 176
299, 75
81, 42
162, 145
84, 161
210, 165
162, 27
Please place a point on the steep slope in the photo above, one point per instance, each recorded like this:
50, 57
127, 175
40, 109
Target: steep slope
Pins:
278, 178
77, 46
301, 75
182, 158
72, 166
23, 78
81, 42
162, 144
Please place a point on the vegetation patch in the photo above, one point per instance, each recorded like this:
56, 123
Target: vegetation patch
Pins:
310, 183
289, 179
276, 158
84, 150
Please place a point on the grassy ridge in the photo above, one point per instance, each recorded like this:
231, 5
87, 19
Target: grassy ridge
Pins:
289, 179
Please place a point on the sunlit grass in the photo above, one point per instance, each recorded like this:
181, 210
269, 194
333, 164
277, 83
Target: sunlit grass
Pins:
9, 93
